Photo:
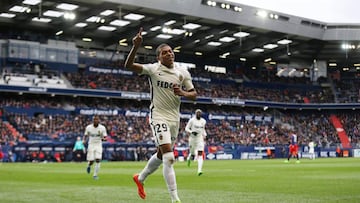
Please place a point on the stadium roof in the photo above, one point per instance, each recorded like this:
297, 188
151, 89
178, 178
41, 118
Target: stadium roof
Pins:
320, 10
199, 28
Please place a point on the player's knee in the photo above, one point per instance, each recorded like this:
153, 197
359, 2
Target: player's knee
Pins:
168, 158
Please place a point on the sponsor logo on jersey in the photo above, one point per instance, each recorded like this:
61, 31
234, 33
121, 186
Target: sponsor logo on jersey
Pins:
164, 84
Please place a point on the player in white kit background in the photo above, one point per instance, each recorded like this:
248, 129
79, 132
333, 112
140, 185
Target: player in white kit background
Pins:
95, 133
166, 89
312, 149
195, 127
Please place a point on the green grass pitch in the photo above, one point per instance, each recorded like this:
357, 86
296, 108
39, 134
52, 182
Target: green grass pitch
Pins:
321, 180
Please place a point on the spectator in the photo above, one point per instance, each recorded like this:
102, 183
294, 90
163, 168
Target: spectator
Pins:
79, 150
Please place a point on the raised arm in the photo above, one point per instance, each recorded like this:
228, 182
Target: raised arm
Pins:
129, 63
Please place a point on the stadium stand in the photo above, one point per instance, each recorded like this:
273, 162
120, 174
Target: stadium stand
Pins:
47, 121
48, 107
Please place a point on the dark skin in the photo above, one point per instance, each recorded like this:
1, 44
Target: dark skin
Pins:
166, 57
200, 153
96, 121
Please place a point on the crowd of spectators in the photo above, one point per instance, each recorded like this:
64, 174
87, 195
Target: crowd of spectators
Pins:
108, 82
266, 86
132, 129
347, 90
240, 91
351, 125
223, 87
310, 124
5, 133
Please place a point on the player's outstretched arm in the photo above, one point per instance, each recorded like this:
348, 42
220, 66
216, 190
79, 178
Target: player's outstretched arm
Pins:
129, 63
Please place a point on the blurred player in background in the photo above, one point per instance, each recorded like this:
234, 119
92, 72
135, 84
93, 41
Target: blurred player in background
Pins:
312, 149
95, 133
293, 147
195, 127
166, 89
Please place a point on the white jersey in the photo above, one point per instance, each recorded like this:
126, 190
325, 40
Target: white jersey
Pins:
198, 126
164, 103
311, 147
96, 134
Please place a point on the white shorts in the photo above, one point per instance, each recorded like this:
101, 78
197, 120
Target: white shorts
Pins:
196, 144
311, 151
94, 152
165, 132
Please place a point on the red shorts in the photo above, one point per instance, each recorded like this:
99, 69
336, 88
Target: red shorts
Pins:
293, 149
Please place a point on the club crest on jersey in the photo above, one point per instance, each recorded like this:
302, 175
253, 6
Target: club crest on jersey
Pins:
181, 77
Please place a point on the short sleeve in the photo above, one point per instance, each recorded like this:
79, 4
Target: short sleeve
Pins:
148, 69
86, 131
187, 82
104, 130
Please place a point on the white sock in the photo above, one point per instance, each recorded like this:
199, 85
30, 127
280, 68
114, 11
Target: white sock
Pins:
97, 168
151, 166
169, 174
200, 163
